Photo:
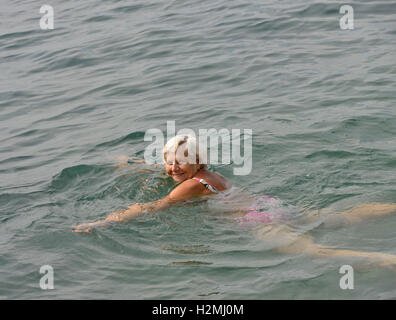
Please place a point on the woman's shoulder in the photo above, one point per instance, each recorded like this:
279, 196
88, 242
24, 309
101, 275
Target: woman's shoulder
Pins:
215, 179
186, 190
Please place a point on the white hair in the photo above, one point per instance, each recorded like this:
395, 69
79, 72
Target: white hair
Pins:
186, 146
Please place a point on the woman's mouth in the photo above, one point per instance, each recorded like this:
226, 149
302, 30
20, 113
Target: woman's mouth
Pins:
177, 175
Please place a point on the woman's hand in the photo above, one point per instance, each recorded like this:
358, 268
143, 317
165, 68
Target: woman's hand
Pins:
88, 227
124, 161
118, 216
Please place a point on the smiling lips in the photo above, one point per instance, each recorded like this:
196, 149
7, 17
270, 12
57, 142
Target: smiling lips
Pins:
177, 174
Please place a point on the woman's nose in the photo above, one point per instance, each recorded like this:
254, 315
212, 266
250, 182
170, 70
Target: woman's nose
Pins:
175, 166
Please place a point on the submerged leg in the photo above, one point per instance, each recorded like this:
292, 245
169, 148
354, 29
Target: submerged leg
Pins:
356, 214
368, 210
304, 244
286, 240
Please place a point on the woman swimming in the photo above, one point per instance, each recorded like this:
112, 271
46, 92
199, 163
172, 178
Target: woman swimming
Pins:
185, 165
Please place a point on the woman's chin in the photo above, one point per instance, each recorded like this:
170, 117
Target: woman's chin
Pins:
179, 178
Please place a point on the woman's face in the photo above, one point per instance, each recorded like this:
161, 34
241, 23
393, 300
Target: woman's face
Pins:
179, 169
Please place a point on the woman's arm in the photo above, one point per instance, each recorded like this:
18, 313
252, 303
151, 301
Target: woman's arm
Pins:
132, 212
186, 190
138, 209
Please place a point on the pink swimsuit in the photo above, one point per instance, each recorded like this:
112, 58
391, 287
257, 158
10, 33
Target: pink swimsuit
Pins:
265, 210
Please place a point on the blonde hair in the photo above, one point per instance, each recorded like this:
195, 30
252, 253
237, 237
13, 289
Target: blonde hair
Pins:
188, 146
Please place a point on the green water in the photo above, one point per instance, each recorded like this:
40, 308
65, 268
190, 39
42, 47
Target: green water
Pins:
320, 101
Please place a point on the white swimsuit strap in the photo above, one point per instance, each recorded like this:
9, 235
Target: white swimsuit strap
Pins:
207, 185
